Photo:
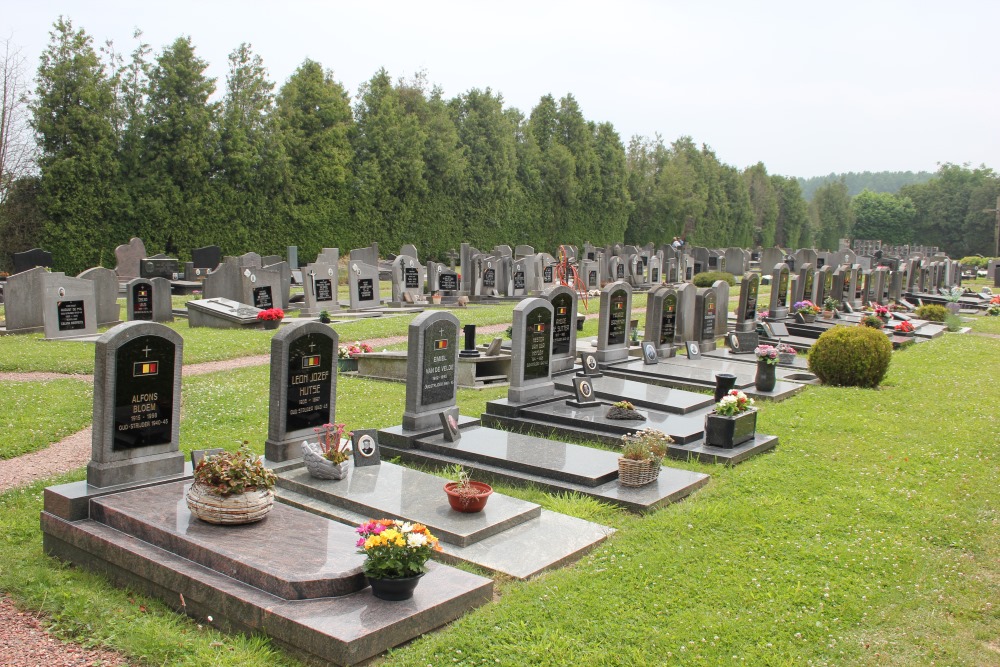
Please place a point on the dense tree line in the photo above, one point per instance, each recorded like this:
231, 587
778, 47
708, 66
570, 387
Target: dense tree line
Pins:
137, 145
858, 182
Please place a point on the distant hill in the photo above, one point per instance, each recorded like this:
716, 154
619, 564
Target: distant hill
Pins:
878, 181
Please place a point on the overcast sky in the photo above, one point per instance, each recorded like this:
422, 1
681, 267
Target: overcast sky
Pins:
808, 88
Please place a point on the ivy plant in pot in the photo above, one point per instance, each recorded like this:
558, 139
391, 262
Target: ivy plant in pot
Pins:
733, 422
231, 488
329, 458
324, 316
642, 454
271, 317
464, 495
396, 554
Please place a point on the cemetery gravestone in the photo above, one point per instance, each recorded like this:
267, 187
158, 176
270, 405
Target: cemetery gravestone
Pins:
431, 372
137, 403
128, 256
778, 309
207, 258
362, 282
564, 313
303, 387
705, 315
613, 326
531, 351
158, 267
24, 297
29, 259
69, 308
319, 289
139, 299
746, 311
685, 326
105, 294
721, 288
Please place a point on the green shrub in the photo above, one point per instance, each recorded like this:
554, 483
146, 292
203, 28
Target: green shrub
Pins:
851, 356
708, 278
932, 312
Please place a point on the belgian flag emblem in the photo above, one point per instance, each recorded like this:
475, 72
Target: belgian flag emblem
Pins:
619, 305
562, 310
145, 368
441, 344
538, 328
310, 361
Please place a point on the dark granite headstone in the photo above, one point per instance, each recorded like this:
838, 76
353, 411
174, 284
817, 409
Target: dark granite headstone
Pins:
448, 281
141, 301
431, 375
151, 267
29, 259
531, 351
208, 257
262, 297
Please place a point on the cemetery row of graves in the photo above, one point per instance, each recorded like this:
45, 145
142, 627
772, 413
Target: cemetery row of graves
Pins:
630, 420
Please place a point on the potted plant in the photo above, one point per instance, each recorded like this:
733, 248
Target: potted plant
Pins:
767, 359
324, 316
951, 297
464, 495
904, 329
993, 309
436, 298
881, 312
871, 320
396, 554
642, 454
807, 309
347, 355
329, 458
231, 488
830, 306
786, 353
733, 422
624, 410
271, 317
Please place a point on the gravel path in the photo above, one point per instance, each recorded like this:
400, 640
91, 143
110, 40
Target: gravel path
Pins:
25, 643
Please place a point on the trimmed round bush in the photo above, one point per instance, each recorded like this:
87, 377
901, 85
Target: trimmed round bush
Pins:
932, 312
708, 278
851, 357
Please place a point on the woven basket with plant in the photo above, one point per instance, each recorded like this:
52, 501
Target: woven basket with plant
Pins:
642, 454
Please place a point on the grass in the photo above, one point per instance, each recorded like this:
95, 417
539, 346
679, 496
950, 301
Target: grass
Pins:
38, 414
868, 537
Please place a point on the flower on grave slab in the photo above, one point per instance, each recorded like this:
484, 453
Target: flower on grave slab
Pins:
335, 448
271, 315
763, 314
880, 310
904, 327
733, 403
766, 353
829, 303
395, 548
784, 348
805, 307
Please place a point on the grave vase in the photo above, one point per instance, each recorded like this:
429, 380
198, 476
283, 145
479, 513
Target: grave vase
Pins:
728, 432
394, 590
765, 379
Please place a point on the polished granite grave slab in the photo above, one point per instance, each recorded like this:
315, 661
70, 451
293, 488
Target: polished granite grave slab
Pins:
783, 372
682, 428
343, 630
546, 542
245, 553
686, 373
799, 363
525, 453
395, 492
398, 437
707, 454
643, 394
671, 486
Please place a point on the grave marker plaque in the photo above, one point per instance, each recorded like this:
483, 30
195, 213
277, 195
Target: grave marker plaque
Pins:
411, 277
303, 387
142, 300
547, 274
70, 315
431, 373
613, 325
144, 396
564, 315
490, 278
668, 320
262, 297
448, 281
531, 346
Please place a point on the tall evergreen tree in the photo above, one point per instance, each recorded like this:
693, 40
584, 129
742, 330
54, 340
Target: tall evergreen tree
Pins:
315, 126
831, 215
764, 202
882, 216
73, 118
178, 197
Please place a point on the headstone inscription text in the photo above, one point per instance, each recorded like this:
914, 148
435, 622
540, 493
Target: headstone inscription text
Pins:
324, 289
262, 297
438, 381
142, 301
537, 344
411, 277
144, 393
310, 371
668, 320
561, 323
71, 315
366, 289
617, 318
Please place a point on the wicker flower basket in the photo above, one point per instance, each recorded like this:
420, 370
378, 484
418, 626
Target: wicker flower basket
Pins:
637, 473
230, 510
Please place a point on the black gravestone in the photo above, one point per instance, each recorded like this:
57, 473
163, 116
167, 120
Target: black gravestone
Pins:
562, 323
490, 278
654, 275
783, 289
621, 272
29, 259
438, 381
753, 285
142, 302
71, 315
366, 289
262, 297
144, 393
547, 274
151, 267
617, 320
519, 280
708, 316
668, 321
537, 344
411, 277
592, 279
208, 257
448, 281
324, 289
310, 374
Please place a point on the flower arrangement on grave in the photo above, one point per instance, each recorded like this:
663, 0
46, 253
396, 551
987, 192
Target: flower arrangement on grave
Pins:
329, 457
766, 353
231, 488
786, 353
871, 320
954, 294
733, 403
994, 307
624, 410
805, 307
763, 315
324, 316
881, 311
335, 449
465, 495
904, 328
732, 422
271, 315
353, 350
642, 454
829, 303
396, 554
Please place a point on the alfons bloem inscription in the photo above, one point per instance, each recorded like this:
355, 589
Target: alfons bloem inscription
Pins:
144, 393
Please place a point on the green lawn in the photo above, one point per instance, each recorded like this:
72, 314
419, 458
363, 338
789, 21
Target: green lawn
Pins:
868, 537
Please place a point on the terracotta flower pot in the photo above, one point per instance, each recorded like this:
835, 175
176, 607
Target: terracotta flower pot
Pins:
468, 502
